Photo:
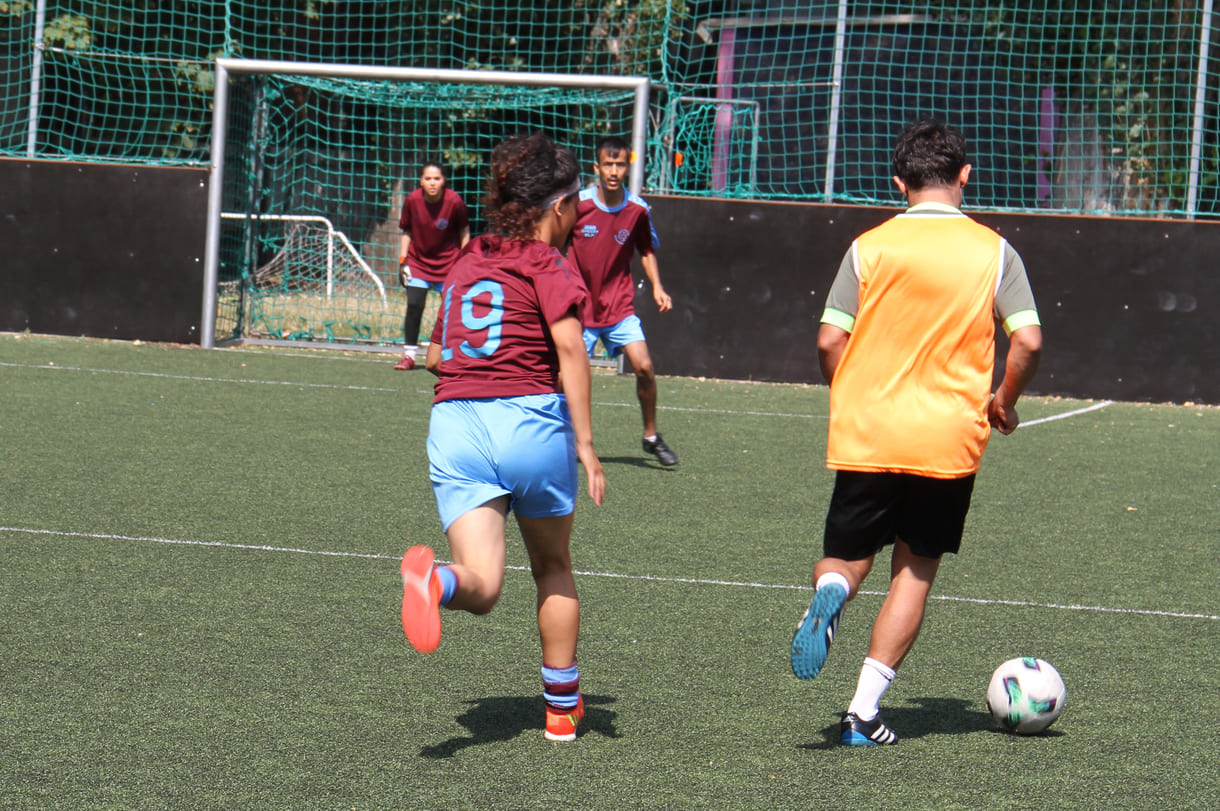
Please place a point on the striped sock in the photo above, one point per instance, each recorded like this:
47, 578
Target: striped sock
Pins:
449, 583
561, 686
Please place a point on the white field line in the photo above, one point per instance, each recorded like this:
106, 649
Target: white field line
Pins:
648, 578
199, 379
1066, 414
335, 386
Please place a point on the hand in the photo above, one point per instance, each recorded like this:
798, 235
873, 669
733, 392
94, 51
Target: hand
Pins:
404, 272
593, 470
664, 302
1003, 418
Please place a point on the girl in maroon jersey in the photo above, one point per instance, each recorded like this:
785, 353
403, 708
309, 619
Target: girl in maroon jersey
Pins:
503, 435
435, 225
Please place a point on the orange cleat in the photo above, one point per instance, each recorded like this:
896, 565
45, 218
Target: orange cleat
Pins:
421, 600
560, 725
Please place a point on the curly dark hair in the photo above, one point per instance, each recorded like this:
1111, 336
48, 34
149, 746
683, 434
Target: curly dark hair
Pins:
525, 171
929, 153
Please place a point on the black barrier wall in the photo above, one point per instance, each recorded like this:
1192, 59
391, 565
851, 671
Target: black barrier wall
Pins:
102, 250
1128, 307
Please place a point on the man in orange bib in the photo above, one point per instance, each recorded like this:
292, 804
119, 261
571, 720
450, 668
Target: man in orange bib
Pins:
907, 342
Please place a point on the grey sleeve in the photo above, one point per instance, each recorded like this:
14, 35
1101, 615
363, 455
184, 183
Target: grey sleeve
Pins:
1014, 300
844, 299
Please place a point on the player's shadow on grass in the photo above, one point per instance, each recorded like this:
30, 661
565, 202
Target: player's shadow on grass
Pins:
932, 716
634, 461
502, 718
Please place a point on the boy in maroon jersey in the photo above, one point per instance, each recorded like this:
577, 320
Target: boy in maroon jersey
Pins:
503, 437
435, 226
612, 225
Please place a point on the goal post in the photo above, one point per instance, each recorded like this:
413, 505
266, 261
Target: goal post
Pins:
367, 87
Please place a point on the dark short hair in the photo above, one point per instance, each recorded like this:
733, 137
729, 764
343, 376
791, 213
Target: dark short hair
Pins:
929, 153
426, 165
612, 144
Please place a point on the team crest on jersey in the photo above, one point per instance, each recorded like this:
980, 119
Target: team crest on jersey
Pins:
622, 236
442, 223
589, 231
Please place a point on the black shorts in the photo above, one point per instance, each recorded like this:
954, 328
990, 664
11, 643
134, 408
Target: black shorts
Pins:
869, 511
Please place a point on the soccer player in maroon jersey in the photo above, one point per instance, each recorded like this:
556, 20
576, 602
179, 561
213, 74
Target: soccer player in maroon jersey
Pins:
435, 226
612, 225
504, 436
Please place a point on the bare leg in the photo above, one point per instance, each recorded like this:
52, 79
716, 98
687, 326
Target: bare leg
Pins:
901, 616
477, 542
645, 383
546, 540
854, 570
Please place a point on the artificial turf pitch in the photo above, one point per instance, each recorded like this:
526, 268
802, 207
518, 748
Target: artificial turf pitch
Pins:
199, 585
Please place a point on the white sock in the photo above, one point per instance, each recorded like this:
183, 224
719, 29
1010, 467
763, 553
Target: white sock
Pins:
875, 679
834, 577
409, 351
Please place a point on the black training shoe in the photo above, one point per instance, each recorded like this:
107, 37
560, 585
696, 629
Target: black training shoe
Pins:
854, 732
659, 449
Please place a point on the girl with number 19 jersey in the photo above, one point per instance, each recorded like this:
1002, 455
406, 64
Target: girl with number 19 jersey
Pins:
500, 298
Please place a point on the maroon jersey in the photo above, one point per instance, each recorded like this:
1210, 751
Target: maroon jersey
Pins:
603, 242
500, 299
436, 232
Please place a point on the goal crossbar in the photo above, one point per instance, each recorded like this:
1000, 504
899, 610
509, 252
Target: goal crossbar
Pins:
225, 67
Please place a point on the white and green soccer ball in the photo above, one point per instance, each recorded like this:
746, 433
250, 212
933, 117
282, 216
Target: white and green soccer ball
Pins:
1026, 695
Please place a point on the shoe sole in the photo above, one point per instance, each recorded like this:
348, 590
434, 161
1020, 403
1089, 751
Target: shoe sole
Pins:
810, 645
854, 738
421, 615
551, 736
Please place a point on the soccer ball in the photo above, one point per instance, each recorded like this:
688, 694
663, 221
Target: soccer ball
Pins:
1026, 695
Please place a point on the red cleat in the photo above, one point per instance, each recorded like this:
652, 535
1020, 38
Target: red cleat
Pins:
560, 725
421, 600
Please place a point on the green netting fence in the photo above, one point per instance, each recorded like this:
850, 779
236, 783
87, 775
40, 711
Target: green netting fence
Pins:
1109, 107
1104, 107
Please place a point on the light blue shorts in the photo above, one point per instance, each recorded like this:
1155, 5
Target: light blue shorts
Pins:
426, 285
615, 336
522, 447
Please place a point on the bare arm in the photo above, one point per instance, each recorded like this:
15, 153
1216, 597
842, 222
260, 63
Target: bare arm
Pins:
465, 235
831, 342
432, 362
577, 387
653, 271
1024, 351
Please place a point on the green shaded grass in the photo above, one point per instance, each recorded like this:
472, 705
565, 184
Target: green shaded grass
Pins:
152, 660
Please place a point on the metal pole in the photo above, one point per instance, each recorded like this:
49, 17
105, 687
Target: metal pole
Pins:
40, 23
639, 136
836, 94
211, 252
452, 76
722, 134
1196, 136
